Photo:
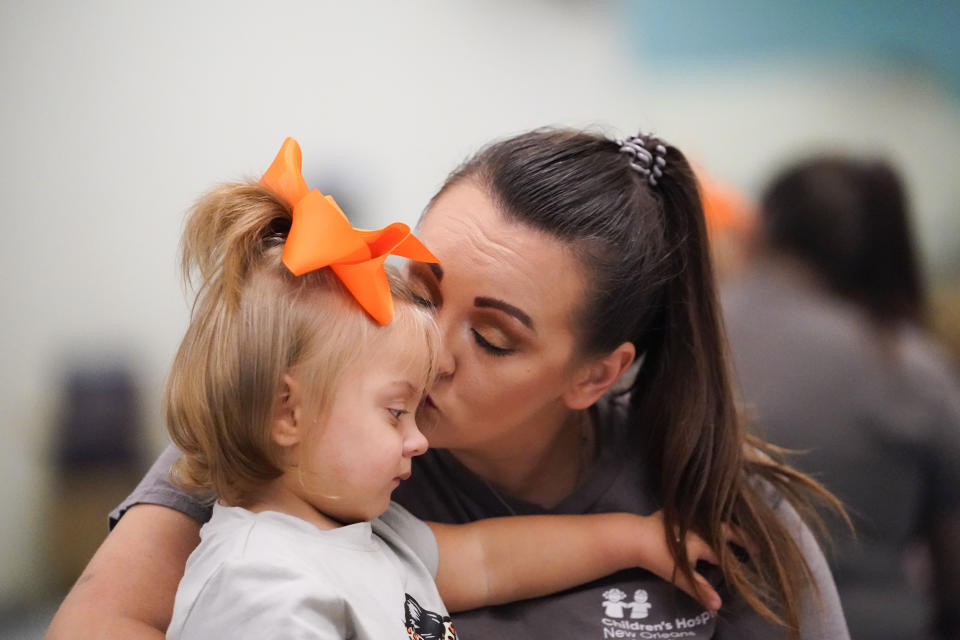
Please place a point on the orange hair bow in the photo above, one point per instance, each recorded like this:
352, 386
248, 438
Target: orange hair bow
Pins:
321, 236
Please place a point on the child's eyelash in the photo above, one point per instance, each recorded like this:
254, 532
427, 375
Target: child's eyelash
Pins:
489, 348
397, 413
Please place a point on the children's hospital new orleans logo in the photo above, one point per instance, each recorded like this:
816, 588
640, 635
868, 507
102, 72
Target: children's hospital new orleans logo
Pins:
623, 618
614, 604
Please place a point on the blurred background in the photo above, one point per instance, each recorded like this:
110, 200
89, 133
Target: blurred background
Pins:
115, 116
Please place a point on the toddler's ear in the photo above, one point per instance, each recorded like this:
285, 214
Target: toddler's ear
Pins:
285, 429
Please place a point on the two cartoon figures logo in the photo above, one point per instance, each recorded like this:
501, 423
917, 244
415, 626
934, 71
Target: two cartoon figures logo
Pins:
615, 604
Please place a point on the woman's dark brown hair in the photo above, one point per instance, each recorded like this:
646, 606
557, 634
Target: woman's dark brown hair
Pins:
644, 248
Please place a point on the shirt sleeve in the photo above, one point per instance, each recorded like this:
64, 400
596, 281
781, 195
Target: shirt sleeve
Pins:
250, 599
821, 615
156, 488
415, 533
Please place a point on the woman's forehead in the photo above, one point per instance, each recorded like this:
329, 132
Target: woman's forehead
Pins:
464, 209
495, 256
464, 218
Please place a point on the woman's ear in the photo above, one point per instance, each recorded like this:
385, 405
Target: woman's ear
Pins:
597, 376
286, 427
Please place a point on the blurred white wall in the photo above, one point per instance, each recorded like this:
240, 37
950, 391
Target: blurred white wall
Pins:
115, 116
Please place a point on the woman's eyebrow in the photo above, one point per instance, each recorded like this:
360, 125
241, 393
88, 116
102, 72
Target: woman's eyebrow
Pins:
506, 308
419, 268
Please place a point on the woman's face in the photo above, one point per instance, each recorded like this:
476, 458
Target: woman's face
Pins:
506, 296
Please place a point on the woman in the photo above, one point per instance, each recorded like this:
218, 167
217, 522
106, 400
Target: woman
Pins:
565, 259
829, 336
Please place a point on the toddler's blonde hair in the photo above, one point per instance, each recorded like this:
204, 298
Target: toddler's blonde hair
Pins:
252, 322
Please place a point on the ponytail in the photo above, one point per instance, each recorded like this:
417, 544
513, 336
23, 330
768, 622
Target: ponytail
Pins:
709, 471
214, 404
228, 233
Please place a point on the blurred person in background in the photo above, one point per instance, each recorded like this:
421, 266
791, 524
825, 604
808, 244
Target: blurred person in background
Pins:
565, 257
829, 339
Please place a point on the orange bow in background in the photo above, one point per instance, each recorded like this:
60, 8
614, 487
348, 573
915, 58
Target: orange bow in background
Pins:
321, 236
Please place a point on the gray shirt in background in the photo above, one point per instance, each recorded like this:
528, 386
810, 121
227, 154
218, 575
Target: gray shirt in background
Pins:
877, 419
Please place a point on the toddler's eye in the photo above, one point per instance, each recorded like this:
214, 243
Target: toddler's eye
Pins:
396, 413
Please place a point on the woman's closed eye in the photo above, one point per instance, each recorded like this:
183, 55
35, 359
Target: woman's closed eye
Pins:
487, 343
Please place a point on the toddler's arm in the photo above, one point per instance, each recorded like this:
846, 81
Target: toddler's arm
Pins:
520, 557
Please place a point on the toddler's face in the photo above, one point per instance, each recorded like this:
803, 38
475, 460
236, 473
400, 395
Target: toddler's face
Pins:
363, 448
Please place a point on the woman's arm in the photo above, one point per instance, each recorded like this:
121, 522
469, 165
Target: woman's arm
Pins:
520, 557
128, 587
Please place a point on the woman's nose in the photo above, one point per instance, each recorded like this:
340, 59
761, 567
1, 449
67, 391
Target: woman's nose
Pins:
446, 362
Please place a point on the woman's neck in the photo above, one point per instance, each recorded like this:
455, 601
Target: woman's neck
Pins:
543, 468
